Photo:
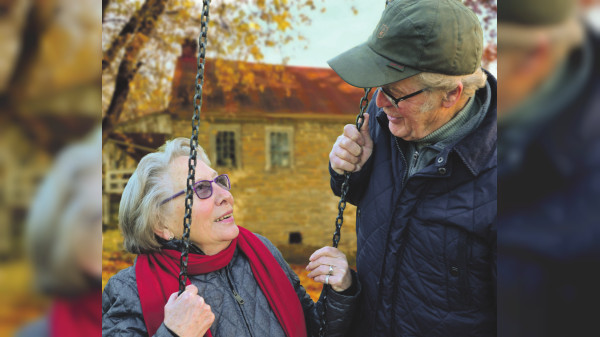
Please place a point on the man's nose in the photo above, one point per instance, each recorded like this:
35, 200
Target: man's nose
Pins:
381, 101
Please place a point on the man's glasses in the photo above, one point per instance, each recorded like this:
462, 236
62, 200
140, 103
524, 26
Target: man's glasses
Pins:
203, 188
395, 101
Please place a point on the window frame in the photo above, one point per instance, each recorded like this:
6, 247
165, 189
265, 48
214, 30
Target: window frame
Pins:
289, 130
237, 133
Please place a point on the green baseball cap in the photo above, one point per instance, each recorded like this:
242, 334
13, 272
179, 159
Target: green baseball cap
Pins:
413, 36
535, 12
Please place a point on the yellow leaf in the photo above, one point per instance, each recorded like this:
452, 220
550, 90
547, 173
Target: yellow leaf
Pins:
254, 25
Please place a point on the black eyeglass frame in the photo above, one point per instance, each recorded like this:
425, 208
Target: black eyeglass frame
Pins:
227, 188
403, 98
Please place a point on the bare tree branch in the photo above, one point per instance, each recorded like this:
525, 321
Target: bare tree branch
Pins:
37, 22
129, 64
104, 6
130, 28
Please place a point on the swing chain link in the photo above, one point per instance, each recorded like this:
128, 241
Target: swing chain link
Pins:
339, 221
189, 195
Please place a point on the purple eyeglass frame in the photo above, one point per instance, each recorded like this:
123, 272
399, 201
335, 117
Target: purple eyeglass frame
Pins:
196, 184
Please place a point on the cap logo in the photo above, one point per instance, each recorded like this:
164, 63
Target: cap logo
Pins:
382, 31
396, 66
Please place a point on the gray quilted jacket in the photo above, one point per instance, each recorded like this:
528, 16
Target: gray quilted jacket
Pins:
248, 315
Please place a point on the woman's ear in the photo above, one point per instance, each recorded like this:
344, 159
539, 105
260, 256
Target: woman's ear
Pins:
164, 233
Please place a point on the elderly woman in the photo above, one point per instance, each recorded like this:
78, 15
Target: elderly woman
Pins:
239, 284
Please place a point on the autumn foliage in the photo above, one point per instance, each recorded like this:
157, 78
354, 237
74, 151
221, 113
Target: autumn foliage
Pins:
141, 40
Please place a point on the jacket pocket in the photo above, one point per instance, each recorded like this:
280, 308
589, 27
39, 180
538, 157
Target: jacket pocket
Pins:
456, 268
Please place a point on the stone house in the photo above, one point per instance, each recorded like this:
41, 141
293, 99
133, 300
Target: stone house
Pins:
274, 147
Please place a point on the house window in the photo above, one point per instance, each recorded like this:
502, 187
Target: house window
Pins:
295, 238
279, 147
225, 145
226, 149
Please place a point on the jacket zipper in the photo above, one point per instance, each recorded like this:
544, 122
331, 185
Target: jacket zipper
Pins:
405, 174
238, 298
403, 182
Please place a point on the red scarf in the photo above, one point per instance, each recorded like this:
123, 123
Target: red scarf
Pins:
74, 317
157, 278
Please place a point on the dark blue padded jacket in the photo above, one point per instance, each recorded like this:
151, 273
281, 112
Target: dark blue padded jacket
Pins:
549, 212
426, 245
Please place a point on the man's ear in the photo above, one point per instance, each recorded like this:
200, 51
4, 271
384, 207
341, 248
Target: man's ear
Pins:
452, 97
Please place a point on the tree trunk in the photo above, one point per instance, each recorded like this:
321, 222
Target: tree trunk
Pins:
104, 5
36, 24
129, 65
130, 28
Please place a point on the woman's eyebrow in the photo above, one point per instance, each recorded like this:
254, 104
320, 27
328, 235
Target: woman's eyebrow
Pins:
211, 177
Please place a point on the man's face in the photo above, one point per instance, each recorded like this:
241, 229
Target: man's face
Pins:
408, 121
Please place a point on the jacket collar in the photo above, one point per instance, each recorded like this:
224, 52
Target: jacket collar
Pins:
476, 150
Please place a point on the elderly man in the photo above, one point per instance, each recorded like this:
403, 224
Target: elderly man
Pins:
549, 171
423, 173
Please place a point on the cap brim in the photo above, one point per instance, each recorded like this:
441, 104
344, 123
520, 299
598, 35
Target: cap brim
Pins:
362, 67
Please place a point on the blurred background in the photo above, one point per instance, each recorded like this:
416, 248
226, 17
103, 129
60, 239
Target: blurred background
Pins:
272, 110
548, 168
50, 99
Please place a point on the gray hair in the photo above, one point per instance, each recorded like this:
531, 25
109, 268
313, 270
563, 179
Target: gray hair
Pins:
140, 211
61, 213
441, 85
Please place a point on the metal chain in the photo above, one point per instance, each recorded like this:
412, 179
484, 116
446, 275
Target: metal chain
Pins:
339, 221
189, 195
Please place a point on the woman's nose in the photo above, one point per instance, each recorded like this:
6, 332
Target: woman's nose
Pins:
222, 195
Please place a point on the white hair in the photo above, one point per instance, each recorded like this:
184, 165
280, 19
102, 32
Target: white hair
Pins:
441, 85
140, 211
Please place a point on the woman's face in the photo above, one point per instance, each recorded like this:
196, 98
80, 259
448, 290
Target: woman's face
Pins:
213, 225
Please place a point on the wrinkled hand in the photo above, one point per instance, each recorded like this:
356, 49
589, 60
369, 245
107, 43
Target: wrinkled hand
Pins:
340, 278
352, 149
188, 314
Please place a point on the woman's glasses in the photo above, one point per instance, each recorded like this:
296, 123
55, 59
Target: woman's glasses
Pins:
203, 188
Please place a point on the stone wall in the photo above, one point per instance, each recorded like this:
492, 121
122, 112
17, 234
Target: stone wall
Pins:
278, 201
